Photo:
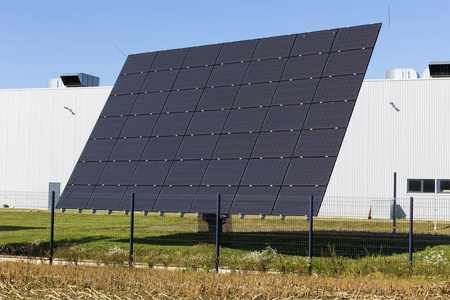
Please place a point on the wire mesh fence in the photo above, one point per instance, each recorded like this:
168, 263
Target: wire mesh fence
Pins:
352, 227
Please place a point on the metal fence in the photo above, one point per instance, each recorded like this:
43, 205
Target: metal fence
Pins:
343, 227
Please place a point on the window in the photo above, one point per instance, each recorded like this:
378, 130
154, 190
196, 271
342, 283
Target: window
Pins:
423, 186
443, 185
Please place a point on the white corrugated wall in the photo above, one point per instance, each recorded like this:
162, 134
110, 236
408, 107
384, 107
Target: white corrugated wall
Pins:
41, 141
411, 139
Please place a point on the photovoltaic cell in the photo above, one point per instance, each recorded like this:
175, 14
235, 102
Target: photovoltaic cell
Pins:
309, 171
140, 125
227, 74
202, 55
255, 95
265, 70
218, 97
338, 88
169, 59
151, 172
137, 63
186, 172
308, 66
204, 122
118, 105
197, 147
294, 201
175, 199
128, 149
329, 115
295, 92
235, 145
224, 172
118, 172
237, 51
206, 199
265, 172
285, 117
192, 78
76, 196
149, 103
246, 133
144, 197
96, 150
128, 84
275, 144
183, 100
108, 197
274, 47
356, 37
313, 42
161, 148
245, 120
108, 127
86, 173
254, 200
159, 81
347, 62
324, 142
172, 124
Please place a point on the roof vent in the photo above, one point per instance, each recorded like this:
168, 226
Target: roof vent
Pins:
439, 69
79, 80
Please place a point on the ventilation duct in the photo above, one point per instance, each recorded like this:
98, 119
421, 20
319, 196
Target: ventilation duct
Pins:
79, 80
439, 69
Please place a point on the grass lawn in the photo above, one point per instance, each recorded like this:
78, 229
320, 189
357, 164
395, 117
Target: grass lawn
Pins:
252, 243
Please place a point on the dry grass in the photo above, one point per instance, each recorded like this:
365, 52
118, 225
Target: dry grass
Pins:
28, 281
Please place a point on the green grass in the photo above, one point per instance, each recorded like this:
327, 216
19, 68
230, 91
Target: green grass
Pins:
253, 244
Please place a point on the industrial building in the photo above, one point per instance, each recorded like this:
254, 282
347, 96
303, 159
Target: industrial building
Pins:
398, 125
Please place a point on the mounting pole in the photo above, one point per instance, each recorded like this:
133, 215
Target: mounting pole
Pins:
130, 261
217, 232
395, 204
411, 219
52, 227
310, 244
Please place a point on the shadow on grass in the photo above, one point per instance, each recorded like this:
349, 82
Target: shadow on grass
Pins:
296, 243
17, 228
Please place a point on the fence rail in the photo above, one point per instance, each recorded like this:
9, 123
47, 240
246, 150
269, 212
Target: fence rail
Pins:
170, 237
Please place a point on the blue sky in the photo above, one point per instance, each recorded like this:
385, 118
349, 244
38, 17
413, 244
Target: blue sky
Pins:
44, 39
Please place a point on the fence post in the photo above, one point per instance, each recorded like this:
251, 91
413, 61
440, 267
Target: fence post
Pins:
217, 232
52, 227
130, 261
395, 204
310, 244
411, 219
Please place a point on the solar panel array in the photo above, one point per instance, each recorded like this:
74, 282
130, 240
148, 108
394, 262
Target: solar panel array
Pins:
259, 121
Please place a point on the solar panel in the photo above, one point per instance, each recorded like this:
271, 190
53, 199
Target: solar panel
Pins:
141, 125
137, 63
206, 199
275, 144
255, 95
218, 97
224, 172
180, 101
149, 103
274, 47
259, 121
169, 59
107, 196
197, 147
117, 105
96, 150
245, 120
128, 149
